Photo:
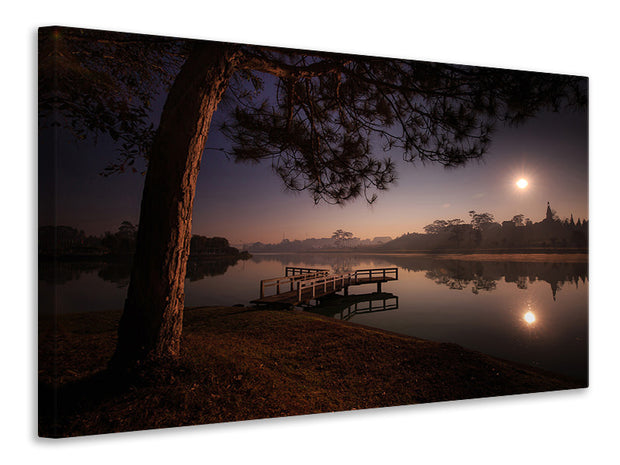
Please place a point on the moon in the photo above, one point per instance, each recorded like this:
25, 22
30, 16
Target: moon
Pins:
529, 318
522, 183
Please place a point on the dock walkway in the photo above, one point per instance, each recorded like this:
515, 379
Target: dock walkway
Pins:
301, 285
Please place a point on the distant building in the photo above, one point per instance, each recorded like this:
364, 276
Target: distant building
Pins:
549, 214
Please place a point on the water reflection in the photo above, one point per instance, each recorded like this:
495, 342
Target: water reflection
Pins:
529, 317
477, 276
345, 308
483, 275
199, 269
116, 272
58, 272
454, 273
336, 262
119, 272
530, 309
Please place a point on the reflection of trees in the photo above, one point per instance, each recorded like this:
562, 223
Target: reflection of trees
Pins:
454, 274
346, 265
441, 276
198, 269
116, 272
58, 272
479, 283
483, 284
338, 262
61, 272
483, 275
119, 272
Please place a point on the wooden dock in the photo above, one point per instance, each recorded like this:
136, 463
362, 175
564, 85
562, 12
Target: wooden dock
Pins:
301, 285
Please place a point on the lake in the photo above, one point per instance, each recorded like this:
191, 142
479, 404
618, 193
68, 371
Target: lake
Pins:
527, 309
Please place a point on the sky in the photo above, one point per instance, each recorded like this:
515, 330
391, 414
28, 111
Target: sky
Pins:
248, 203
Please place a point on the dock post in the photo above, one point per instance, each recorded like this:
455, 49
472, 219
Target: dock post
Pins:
346, 291
378, 288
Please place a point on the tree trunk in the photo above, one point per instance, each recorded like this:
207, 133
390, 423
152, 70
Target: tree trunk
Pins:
151, 325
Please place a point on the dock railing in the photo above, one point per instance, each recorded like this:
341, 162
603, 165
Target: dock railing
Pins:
296, 270
370, 274
288, 281
321, 283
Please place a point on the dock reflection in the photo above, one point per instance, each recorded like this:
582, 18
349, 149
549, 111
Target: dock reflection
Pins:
346, 307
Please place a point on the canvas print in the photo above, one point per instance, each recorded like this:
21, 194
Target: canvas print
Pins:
231, 232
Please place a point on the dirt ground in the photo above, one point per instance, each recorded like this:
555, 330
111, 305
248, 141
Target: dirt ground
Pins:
242, 363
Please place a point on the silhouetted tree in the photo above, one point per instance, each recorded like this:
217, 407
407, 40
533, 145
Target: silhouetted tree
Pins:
480, 220
201, 245
454, 227
518, 220
458, 230
59, 239
442, 225
123, 242
341, 237
311, 114
436, 227
127, 229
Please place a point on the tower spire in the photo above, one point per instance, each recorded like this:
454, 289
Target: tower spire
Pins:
549, 216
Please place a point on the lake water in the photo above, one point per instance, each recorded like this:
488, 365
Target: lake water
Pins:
531, 310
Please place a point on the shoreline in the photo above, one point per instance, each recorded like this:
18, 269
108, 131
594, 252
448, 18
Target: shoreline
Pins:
240, 363
532, 256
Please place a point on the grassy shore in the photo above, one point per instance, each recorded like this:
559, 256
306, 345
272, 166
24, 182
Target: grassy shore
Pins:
242, 363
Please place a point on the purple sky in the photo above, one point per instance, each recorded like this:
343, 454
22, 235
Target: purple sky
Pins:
247, 203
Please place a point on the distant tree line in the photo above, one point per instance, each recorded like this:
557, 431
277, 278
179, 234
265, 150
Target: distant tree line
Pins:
205, 246
340, 239
69, 242
483, 232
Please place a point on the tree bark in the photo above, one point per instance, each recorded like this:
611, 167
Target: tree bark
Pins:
151, 325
